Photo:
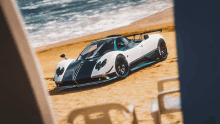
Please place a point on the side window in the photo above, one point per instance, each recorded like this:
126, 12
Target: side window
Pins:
125, 40
107, 47
111, 45
119, 43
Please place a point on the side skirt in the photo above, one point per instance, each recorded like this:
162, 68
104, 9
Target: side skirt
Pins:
147, 59
142, 65
153, 55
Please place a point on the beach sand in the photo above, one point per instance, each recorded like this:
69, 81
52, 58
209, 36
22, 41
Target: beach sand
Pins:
139, 88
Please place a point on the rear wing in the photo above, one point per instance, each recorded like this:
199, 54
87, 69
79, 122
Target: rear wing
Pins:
142, 34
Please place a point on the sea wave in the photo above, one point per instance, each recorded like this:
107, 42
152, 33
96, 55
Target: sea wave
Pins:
51, 21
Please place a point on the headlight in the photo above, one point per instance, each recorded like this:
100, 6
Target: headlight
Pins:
59, 71
100, 64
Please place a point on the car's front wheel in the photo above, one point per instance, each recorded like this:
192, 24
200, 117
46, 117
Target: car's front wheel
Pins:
121, 66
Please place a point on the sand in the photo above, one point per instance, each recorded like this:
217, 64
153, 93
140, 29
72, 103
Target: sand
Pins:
138, 89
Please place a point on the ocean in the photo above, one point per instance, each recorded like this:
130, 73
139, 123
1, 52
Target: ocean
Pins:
52, 21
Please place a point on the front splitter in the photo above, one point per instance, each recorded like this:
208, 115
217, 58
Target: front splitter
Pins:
86, 84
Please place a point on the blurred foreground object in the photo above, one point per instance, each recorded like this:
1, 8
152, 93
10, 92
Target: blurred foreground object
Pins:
102, 113
197, 34
166, 104
23, 95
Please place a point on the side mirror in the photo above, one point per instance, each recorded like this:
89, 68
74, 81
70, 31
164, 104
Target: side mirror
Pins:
146, 36
122, 44
63, 56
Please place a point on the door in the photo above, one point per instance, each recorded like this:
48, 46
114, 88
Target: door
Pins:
131, 54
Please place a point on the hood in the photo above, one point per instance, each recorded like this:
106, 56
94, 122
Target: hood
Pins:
80, 69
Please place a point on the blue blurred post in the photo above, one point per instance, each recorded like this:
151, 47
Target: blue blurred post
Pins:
198, 45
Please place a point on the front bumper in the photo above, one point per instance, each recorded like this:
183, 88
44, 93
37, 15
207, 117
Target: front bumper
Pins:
85, 84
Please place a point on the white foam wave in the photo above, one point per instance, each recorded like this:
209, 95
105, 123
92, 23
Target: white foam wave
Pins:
47, 3
93, 1
29, 27
30, 7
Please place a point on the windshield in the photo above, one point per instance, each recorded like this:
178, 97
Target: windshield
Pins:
92, 49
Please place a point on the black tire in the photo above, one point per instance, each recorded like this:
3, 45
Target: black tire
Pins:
162, 50
121, 66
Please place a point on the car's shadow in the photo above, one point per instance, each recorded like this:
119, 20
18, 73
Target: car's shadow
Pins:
91, 87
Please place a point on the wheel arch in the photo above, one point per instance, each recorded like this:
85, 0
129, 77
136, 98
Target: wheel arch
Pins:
118, 57
110, 57
121, 55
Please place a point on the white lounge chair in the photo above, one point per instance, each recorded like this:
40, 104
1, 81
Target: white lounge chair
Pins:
105, 118
165, 104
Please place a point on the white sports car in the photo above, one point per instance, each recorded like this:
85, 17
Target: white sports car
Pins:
109, 58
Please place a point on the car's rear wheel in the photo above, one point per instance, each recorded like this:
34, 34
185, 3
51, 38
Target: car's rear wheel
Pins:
121, 66
162, 50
